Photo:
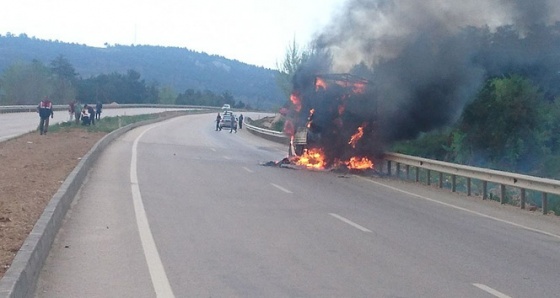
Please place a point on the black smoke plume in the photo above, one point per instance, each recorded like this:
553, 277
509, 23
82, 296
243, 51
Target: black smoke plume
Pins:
424, 61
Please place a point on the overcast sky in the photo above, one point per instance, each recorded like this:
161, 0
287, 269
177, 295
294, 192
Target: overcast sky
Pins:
256, 32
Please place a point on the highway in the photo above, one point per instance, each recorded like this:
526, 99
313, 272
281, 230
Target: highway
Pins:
176, 209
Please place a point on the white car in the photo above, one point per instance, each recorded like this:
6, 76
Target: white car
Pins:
226, 107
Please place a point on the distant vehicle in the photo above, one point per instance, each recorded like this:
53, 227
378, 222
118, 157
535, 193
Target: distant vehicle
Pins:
227, 121
226, 107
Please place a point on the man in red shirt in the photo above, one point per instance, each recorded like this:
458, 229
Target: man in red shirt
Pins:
45, 111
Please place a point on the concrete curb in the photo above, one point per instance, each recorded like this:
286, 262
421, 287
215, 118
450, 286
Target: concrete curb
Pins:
21, 278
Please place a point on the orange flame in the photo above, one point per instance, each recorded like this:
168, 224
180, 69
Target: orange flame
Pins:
359, 163
312, 159
359, 88
296, 100
320, 84
356, 137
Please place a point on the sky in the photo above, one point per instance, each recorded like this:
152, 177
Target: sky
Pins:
256, 32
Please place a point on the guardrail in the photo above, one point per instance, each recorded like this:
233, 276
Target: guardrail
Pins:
394, 161
522, 182
33, 108
268, 134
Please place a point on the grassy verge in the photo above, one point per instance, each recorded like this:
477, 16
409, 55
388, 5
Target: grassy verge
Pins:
108, 124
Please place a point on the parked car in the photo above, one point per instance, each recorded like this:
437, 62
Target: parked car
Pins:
226, 107
228, 119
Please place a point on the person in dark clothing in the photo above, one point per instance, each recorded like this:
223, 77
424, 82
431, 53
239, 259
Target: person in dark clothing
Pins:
45, 111
98, 108
218, 119
232, 123
240, 121
91, 112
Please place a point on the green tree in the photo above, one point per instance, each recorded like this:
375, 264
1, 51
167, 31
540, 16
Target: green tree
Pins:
25, 83
167, 95
501, 124
294, 57
64, 80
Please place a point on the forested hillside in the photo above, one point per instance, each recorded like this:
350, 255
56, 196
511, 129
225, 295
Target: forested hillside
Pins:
179, 69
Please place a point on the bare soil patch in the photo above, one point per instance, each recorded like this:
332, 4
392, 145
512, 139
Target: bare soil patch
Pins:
32, 168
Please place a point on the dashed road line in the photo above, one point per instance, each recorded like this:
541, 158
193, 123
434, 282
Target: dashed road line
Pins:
281, 188
248, 170
491, 291
355, 225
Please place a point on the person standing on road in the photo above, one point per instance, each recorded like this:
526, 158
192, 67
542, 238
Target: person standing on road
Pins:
218, 119
77, 111
241, 121
45, 111
71, 110
98, 108
91, 112
233, 124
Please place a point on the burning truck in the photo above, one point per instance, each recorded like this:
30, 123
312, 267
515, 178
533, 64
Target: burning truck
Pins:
327, 125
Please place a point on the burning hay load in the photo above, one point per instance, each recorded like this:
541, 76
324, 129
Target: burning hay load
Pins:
389, 70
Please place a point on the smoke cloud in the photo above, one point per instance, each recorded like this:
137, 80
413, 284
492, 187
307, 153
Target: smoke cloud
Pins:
425, 60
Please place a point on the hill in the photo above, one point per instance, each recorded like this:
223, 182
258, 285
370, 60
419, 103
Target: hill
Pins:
179, 68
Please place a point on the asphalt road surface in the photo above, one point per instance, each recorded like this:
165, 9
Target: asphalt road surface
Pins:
176, 209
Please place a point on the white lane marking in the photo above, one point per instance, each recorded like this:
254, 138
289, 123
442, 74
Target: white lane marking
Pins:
464, 209
213, 149
227, 157
281, 188
491, 291
355, 225
155, 266
248, 170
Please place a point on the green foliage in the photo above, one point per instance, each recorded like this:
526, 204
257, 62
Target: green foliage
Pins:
278, 125
294, 57
108, 124
25, 83
167, 95
63, 80
500, 124
431, 145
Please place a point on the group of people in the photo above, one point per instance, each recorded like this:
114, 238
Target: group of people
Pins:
232, 126
86, 114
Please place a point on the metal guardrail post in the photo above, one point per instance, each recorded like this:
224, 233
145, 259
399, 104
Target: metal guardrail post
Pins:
523, 198
398, 170
407, 172
544, 203
429, 178
440, 180
502, 194
454, 182
484, 190
389, 168
469, 187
